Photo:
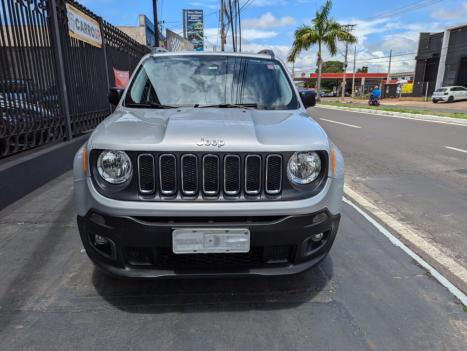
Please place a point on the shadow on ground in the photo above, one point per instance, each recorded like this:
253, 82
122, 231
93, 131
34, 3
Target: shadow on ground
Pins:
214, 294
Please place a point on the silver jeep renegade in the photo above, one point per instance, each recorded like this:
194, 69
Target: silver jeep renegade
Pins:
210, 165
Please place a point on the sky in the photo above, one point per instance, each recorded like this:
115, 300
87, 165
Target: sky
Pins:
381, 26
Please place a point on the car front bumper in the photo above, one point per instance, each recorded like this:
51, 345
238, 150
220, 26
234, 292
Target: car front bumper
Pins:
141, 247
440, 98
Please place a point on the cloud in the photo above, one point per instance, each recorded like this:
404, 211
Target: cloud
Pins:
267, 20
255, 34
268, 3
445, 14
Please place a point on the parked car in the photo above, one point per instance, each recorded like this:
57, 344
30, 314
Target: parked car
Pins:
449, 94
210, 165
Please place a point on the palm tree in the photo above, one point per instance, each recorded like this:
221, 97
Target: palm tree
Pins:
324, 31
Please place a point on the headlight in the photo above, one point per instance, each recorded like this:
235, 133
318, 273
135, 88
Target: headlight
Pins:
304, 167
114, 166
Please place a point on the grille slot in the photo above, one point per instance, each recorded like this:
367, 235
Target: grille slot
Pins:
253, 174
189, 166
146, 177
168, 174
232, 175
210, 175
194, 175
273, 174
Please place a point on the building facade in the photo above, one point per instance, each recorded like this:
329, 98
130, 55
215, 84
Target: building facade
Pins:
144, 32
441, 60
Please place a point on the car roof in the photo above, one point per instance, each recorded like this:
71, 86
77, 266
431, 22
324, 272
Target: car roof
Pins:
452, 86
219, 53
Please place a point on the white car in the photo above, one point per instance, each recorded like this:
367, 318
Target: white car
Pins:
449, 94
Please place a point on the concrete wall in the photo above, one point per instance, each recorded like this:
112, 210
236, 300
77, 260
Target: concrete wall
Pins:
426, 68
456, 52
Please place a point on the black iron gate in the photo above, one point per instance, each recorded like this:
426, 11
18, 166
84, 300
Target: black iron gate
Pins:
52, 86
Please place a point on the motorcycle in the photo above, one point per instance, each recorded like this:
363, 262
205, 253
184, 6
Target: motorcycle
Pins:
373, 101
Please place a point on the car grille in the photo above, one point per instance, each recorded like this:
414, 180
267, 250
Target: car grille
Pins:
164, 258
210, 175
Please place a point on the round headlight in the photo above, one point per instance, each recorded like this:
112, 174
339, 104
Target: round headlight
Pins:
304, 167
114, 166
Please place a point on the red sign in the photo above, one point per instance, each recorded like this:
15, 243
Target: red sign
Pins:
121, 78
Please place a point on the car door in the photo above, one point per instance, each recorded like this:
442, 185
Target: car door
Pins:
463, 93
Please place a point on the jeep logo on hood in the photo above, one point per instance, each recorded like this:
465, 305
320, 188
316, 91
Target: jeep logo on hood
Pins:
211, 142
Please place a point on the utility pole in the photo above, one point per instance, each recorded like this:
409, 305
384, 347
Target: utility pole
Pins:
389, 67
348, 27
354, 68
222, 13
345, 71
156, 23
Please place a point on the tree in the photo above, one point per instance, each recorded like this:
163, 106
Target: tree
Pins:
324, 32
364, 69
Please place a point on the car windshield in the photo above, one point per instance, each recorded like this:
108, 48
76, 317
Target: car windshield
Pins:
224, 81
441, 90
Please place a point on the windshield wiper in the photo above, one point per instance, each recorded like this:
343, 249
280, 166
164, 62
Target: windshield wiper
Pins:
148, 105
247, 106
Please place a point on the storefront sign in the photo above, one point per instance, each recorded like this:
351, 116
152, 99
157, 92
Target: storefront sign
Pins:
83, 27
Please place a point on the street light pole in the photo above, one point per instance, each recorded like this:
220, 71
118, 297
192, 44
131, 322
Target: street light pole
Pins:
156, 23
222, 10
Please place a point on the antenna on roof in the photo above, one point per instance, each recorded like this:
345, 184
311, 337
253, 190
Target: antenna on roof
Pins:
267, 52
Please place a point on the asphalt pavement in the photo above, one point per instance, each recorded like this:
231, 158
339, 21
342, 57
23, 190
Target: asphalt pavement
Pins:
414, 170
367, 295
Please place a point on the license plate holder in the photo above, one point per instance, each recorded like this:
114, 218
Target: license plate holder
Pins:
210, 240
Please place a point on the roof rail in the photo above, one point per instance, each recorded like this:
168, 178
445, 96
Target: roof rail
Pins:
267, 52
157, 49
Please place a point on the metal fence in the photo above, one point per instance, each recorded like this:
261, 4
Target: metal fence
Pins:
53, 86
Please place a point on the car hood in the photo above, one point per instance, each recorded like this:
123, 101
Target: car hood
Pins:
208, 129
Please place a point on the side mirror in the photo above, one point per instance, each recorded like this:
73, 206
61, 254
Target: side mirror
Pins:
308, 98
115, 95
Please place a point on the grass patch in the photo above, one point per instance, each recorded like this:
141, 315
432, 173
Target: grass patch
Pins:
465, 308
397, 109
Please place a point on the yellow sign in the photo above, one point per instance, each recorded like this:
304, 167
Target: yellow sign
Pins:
407, 88
83, 27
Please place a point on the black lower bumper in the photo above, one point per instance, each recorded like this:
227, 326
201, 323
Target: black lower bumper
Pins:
141, 247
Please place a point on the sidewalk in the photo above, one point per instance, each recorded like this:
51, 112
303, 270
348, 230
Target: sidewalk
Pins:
458, 106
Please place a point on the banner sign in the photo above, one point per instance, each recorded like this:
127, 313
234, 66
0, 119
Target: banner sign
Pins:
83, 27
121, 78
193, 28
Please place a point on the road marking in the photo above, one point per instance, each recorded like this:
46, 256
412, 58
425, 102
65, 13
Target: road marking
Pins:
369, 112
415, 239
344, 124
455, 149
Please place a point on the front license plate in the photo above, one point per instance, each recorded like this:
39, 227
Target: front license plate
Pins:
207, 240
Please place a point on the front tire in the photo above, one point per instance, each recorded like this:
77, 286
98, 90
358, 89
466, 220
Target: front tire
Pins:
435, 101
451, 99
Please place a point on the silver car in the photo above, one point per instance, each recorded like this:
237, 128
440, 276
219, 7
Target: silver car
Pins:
210, 165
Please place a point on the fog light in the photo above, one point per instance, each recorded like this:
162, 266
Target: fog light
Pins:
100, 240
321, 217
317, 237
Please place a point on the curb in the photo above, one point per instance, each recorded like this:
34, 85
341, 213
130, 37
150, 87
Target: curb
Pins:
429, 118
24, 173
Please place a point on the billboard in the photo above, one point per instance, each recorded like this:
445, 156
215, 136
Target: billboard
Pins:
193, 28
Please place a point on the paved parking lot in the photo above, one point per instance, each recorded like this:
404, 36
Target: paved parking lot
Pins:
367, 295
